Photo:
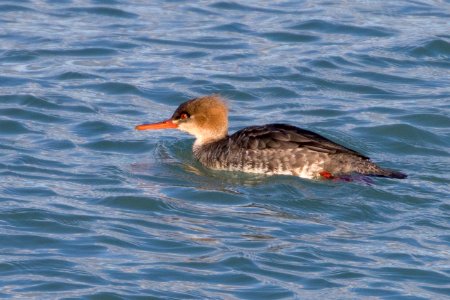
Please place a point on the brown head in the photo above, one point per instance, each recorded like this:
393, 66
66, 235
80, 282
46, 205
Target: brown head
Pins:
206, 118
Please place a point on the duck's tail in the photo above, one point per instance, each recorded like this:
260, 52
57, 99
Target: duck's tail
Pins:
343, 164
390, 174
372, 169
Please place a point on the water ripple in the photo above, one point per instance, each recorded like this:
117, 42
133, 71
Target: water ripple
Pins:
438, 48
289, 37
337, 28
104, 11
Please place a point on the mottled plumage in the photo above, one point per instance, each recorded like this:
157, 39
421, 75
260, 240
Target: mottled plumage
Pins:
284, 149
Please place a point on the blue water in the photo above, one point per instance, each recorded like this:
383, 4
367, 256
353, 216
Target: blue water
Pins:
91, 208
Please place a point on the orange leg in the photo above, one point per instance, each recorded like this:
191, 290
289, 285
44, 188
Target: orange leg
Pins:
326, 175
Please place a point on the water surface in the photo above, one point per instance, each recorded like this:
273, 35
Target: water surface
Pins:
92, 209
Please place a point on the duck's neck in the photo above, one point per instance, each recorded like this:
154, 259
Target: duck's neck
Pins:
212, 153
204, 140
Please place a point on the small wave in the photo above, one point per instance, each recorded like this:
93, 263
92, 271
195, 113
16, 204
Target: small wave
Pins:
415, 274
13, 127
5, 8
18, 56
339, 28
84, 52
12, 81
135, 203
114, 88
281, 36
105, 11
29, 115
192, 54
349, 87
124, 147
96, 128
205, 45
405, 132
76, 76
386, 78
232, 27
438, 48
44, 103
230, 5
428, 120
276, 92
32, 191
28, 100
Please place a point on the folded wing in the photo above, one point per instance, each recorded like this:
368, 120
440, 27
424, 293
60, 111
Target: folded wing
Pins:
282, 136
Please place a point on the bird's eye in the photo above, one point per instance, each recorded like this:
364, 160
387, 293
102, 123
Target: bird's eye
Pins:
184, 116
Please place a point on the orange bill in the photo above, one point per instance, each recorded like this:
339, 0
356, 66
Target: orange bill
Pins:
161, 125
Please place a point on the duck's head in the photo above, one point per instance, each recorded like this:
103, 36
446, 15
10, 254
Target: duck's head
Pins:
206, 118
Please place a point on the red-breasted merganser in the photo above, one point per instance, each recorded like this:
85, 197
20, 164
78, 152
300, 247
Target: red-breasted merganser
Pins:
269, 149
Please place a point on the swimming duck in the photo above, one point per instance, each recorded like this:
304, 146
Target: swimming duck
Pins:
269, 149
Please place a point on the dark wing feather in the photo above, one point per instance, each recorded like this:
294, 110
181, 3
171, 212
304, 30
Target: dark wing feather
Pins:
282, 136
